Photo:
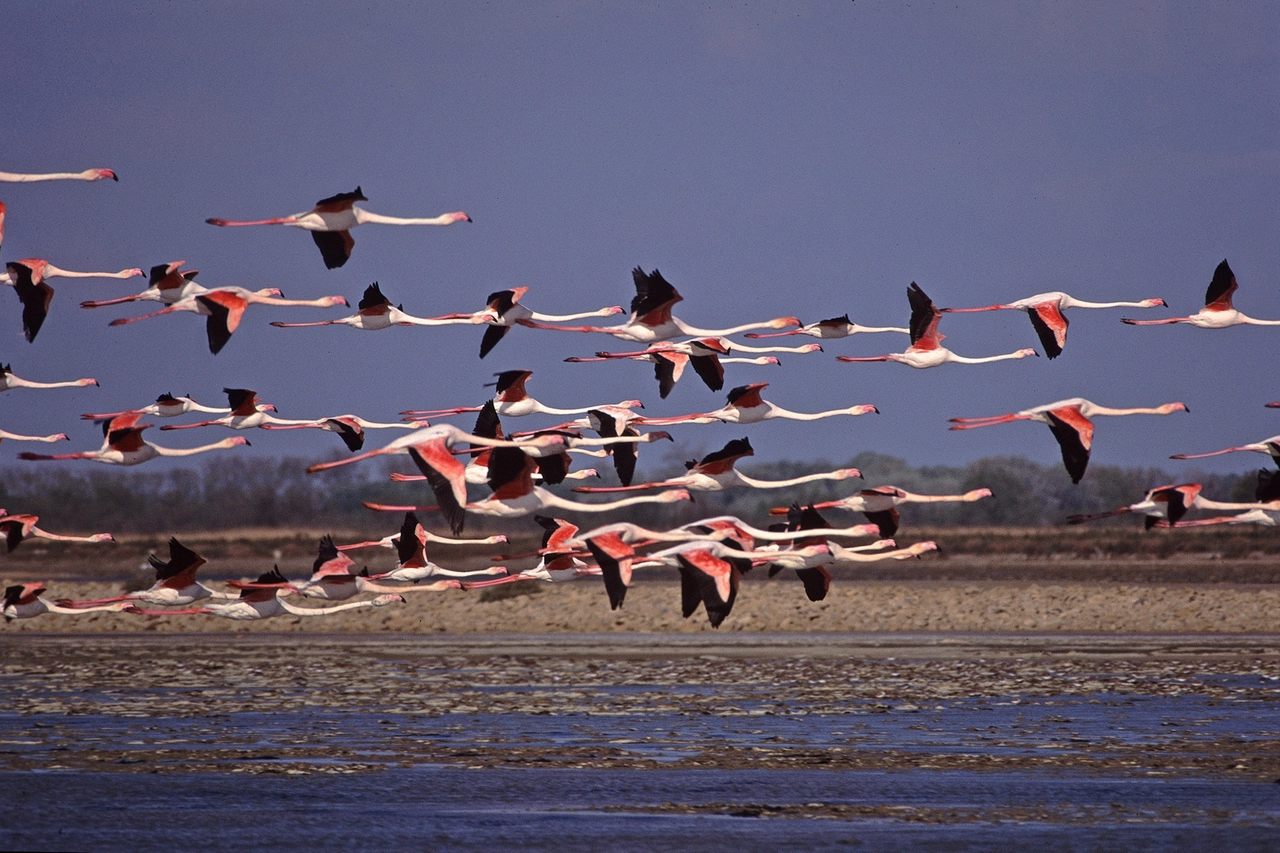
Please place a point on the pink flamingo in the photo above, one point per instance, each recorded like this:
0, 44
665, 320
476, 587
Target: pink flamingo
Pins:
1071, 425
1269, 446
835, 327
28, 277
49, 439
715, 472
707, 356
175, 584
23, 601
86, 175
9, 380
123, 445
926, 348
165, 406
510, 399
334, 578
261, 600
651, 318
504, 310
1045, 310
413, 564
747, 407
879, 504
169, 283
224, 307
246, 412
1171, 503
1217, 312
331, 220
374, 313
17, 528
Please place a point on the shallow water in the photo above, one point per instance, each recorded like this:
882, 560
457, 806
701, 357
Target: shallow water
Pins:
917, 745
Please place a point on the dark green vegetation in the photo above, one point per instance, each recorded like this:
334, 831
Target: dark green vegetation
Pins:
233, 494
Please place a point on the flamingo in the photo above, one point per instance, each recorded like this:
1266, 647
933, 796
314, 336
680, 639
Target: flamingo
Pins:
28, 277
1217, 312
651, 318
1171, 503
1269, 446
165, 406
503, 310
393, 540
331, 220
262, 600
856, 555
246, 412
23, 601
86, 175
1045, 311
123, 445
510, 399
168, 284
552, 568
8, 380
706, 355
514, 494
333, 578
413, 564
349, 428
224, 306
13, 436
715, 472
835, 327
746, 406
175, 584
879, 505
926, 348
17, 528
1069, 421
1265, 517
374, 313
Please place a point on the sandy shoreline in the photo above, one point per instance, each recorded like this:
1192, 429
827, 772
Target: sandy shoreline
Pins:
762, 606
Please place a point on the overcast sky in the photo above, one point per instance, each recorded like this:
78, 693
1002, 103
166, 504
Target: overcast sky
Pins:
808, 158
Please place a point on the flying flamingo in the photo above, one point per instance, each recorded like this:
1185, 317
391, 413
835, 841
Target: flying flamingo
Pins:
879, 505
926, 348
349, 428
123, 445
857, 555
552, 568
1217, 312
165, 406
510, 399
86, 175
413, 565
1069, 421
503, 310
393, 540
28, 277
48, 439
331, 220
333, 578
747, 407
835, 327
706, 355
16, 528
224, 306
168, 284
1171, 503
1045, 311
514, 494
8, 380
1269, 446
246, 412
261, 600
1265, 517
175, 584
374, 313
651, 318
715, 472
23, 601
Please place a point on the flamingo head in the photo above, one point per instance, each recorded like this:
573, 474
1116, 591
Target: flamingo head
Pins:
850, 472
923, 547
810, 348
613, 309
674, 496
770, 359
1022, 353
784, 322
271, 291
1154, 303
102, 537
330, 301
135, 271
84, 382
459, 216
394, 597
658, 434
235, 441
631, 404
266, 407
977, 494
864, 410
99, 175
1169, 408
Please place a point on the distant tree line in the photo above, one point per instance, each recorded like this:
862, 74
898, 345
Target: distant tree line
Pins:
277, 493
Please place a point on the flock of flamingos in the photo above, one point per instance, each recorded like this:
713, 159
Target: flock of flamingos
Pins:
710, 554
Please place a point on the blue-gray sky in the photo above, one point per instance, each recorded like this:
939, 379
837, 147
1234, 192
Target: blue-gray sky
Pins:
805, 158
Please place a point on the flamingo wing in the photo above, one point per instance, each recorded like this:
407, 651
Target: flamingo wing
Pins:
330, 561
924, 319
886, 519
243, 401
180, 570
340, 202
715, 580
335, 247
373, 299
511, 385
225, 310
709, 369
723, 459
447, 478
35, 298
1074, 433
817, 582
492, 335
747, 396
668, 367
614, 558
654, 298
1051, 327
1218, 296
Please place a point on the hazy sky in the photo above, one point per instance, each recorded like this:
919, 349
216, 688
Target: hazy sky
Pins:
805, 158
